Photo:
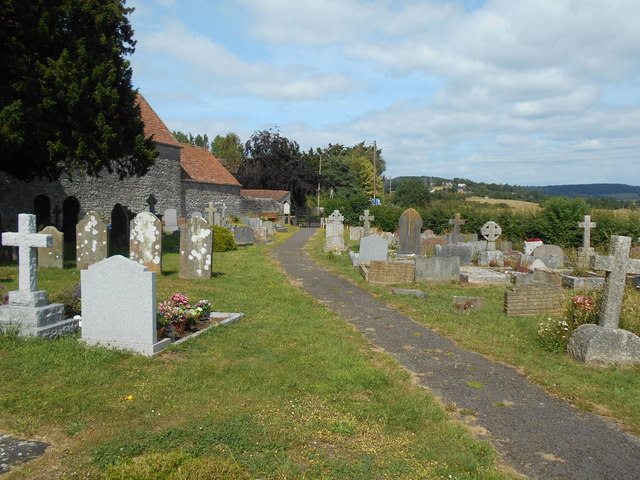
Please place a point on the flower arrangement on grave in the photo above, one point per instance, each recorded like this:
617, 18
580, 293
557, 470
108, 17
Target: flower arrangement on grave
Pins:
554, 333
179, 314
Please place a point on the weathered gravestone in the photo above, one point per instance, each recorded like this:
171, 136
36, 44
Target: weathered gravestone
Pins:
464, 252
119, 306
605, 343
243, 235
170, 218
388, 273
356, 233
28, 309
211, 211
145, 241
270, 227
367, 219
373, 247
334, 239
260, 234
91, 241
52, 257
456, 221
410, 226
491, 231
196, 247
437, 269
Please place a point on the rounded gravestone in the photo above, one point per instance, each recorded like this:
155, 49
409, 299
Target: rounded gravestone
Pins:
410, 226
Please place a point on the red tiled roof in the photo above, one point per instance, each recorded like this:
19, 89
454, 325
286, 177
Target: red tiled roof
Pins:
276, 195
153, 125
200, 165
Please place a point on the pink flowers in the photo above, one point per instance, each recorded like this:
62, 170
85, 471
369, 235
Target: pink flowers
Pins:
179, 312
583, 303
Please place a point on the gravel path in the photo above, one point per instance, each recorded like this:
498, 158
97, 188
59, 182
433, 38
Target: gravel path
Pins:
537, 435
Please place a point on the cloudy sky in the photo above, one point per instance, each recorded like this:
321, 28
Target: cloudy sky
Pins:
527, 92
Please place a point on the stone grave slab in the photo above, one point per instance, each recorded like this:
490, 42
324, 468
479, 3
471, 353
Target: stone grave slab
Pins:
410, 226
388, 273
408, 291
260, 234
119, 306
52, 257
356, 233
91, 241
551, 255
464, 252
196, 249
437, 269
16, 451
170, 219
483, 276
495, 258
145, 241
243, 235
270, 226
583, 283
373, 247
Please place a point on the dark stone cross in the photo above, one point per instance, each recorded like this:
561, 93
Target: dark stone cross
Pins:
366, 218
587, 225
617, 265
151, 201
456, 221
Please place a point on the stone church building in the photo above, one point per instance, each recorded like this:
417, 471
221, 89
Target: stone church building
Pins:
185, 178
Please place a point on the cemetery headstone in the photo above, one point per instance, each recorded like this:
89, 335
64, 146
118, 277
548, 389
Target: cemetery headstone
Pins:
196, 214
533, 299
410, 226
152, 201
243, 235
91, 241
145, 241
356, 233
170, 218
388, 273
456, 221
210, 211
52, 257
437, 269
28, 309
367, 219
260, 235
491, 231
119, 306
464, 252
196, 249
334, 239
270, 226
605, 343
551, 255
373, 247
586, 225
531, 245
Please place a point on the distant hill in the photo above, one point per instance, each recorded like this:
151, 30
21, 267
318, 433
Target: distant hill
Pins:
617, 191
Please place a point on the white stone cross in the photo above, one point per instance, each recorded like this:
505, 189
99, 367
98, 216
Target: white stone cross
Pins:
210, 211
336, 217
617, 264
366, 218
27, 240
587, 224
491, 231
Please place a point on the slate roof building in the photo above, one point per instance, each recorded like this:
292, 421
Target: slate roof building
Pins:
184, 177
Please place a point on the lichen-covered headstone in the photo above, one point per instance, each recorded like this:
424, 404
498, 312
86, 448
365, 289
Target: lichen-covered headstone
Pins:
196, 249
409, 232
334, 239
605, 343
491, 231
145, 241
91, 241
52, 257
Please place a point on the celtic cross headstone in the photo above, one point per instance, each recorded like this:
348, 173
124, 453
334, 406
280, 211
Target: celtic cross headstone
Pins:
367, 219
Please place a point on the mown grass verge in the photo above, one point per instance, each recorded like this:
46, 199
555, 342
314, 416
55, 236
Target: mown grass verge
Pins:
611, 392
290, 391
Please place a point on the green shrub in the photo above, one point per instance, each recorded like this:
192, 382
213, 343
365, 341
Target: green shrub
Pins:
222, 239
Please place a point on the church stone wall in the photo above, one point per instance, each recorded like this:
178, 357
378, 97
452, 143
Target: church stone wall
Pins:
99, 194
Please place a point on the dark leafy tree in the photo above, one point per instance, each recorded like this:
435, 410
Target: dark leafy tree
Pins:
228, 148
412, 193
198, 140
273, 162
66, 99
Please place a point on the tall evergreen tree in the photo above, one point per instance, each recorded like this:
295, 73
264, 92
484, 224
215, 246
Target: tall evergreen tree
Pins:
66, 100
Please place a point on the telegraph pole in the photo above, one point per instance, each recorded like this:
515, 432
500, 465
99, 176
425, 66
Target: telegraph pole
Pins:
375, 174
319, 173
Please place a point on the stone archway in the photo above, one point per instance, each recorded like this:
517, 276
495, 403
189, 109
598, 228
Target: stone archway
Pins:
42, 211
119, 226
70, 213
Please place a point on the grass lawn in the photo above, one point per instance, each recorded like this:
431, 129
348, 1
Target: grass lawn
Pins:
291, 391
611, 392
